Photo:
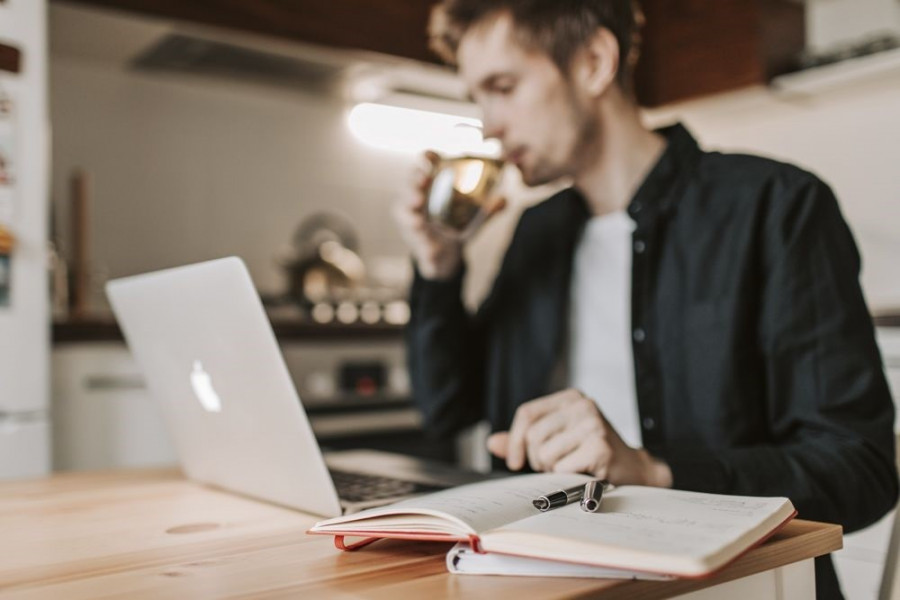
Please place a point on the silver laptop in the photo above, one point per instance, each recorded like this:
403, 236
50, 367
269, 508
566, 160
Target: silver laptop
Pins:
207, 350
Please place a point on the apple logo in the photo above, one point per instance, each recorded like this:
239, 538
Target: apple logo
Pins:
203, 389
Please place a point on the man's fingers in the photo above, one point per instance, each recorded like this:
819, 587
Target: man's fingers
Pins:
497, 444
415, 198
539, 432
424, 170
577, 461
558, 446
526, 415
592, 456
408, 219
483, 216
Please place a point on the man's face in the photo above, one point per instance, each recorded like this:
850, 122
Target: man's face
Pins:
541, 118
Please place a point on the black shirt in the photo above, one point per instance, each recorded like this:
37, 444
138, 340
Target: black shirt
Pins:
756, 367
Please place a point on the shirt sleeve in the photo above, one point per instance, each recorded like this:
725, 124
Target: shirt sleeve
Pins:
830, 414
445, 347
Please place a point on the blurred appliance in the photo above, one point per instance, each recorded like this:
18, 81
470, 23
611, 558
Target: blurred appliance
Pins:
328, 280
352, 373
24, 316
325, 265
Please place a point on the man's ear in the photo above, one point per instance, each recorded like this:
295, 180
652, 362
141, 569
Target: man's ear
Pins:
597, 63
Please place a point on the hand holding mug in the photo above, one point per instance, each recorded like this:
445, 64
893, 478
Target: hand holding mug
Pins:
451, 199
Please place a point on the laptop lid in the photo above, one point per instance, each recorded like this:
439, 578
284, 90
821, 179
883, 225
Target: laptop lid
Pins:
207, 350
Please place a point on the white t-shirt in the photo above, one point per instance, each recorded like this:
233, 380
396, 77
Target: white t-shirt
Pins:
601, 363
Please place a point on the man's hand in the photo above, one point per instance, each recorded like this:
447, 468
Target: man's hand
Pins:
438, 252
566, 433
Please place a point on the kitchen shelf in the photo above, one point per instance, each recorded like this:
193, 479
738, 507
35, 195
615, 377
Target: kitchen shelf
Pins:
887, 319
103, 328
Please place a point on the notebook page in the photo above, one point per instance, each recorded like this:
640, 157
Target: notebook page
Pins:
478, 506
656, 521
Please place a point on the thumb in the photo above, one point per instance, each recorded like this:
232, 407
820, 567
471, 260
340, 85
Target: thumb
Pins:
495, 205
498, 443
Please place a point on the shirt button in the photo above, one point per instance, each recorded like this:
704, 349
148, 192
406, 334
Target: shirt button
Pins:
639, 335
649, 423
640, 246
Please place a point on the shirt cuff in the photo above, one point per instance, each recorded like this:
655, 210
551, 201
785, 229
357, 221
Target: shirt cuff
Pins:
697, 472
437, 294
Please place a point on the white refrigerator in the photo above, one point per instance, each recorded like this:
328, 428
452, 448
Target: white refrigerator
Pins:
24, 172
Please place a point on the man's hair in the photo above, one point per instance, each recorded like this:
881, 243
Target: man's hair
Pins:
557, 27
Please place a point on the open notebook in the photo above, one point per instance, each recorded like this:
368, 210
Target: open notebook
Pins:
640, 529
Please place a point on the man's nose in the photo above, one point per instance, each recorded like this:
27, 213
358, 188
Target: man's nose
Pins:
491, 127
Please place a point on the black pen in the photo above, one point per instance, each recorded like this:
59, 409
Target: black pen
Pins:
558, 498
593, 494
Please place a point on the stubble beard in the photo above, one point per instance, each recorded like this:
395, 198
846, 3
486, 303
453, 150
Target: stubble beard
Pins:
586, 127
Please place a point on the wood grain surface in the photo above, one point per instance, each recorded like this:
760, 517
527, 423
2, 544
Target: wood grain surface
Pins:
151, 534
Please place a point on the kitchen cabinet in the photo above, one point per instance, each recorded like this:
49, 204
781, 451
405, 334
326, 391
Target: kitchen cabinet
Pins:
694, 48
104, 417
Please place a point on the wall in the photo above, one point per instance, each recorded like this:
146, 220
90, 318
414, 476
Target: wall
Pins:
849, 136
835, 22
185, 169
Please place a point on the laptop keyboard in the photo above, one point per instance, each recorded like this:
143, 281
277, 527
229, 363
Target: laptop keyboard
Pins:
362, 487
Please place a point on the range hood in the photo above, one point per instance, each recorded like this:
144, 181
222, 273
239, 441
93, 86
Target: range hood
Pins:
182, 52
165, 47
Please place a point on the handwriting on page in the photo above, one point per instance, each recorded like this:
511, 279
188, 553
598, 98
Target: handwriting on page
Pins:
485, 506
653, 520
733, 506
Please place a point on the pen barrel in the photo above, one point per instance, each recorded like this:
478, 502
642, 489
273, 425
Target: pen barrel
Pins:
574, 494
557, 499
593, 494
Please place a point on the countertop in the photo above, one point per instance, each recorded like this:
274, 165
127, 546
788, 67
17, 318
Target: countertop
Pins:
143, 534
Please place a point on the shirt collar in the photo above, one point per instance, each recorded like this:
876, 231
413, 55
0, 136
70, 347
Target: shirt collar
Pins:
657, 193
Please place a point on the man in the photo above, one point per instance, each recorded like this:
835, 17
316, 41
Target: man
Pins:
676, 318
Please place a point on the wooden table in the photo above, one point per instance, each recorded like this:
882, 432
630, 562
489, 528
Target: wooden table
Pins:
151, 534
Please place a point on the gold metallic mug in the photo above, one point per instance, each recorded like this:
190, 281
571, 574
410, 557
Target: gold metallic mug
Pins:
461, 190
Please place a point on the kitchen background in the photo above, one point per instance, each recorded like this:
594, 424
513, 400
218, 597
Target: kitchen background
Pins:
189, 167
175, 142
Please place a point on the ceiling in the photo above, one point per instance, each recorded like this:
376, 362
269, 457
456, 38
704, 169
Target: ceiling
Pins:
691, 48
128, 40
